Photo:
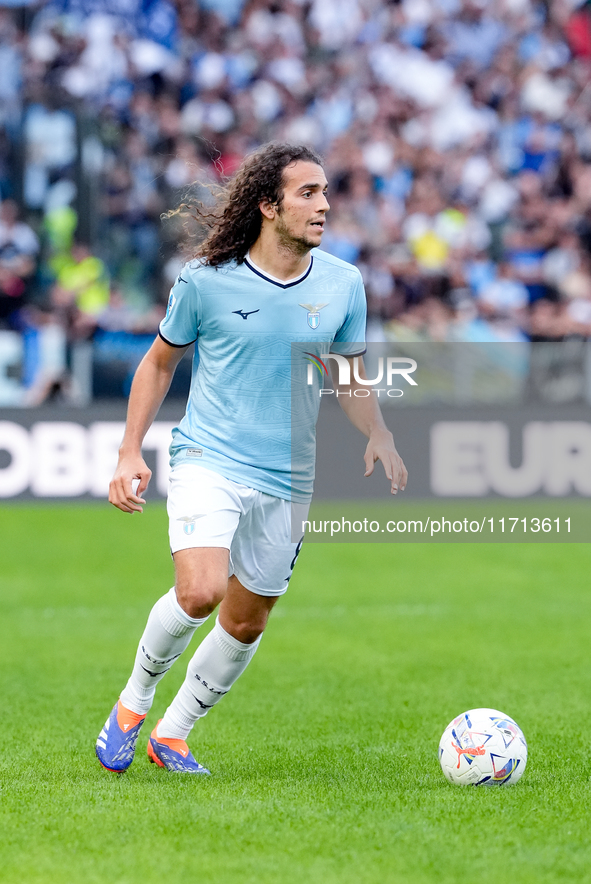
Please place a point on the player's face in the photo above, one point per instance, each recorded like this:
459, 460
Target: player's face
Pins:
299, 222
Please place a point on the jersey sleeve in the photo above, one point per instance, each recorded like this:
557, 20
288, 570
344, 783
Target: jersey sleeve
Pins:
350, 338
180, 326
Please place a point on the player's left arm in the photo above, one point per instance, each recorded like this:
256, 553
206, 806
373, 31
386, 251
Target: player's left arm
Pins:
365, 414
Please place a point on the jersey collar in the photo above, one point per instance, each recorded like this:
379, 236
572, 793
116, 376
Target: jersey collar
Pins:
273, 279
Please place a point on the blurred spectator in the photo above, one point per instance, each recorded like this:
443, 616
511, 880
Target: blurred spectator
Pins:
49, 133
83, 280
504, 295
503, 305
19, 247
46, 374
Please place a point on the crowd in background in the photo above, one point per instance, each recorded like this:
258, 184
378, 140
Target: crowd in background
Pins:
456, 137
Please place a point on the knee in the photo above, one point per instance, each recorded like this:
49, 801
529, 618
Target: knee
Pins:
247, 631
199, 598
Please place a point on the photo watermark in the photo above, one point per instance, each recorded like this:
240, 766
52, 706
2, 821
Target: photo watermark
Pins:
496, 438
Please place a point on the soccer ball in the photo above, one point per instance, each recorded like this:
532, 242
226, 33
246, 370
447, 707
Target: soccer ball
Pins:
483, 747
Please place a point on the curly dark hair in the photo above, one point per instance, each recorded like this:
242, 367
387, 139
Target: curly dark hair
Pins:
235, 223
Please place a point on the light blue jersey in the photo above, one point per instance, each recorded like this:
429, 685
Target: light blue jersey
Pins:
239, 413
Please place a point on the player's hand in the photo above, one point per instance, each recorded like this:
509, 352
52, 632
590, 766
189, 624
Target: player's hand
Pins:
129, 483
381, 447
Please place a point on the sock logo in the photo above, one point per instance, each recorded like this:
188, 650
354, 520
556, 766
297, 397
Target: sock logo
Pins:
155, 659
155, 674
208, 687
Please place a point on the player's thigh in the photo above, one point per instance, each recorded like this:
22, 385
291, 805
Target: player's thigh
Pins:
204, 510
201, 578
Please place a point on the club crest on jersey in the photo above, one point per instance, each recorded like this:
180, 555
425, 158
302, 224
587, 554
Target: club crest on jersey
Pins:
314, 313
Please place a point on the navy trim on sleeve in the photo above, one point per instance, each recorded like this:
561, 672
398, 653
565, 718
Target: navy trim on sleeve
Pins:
347, 355
170, 344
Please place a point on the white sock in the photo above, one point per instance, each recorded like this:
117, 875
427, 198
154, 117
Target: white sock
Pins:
218, 661
168, 632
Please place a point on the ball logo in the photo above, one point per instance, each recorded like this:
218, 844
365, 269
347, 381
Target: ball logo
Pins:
470, 753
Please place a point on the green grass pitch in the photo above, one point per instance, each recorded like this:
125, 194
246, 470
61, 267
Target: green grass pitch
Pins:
324, 757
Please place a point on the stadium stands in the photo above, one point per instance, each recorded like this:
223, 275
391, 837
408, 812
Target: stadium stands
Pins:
456, 135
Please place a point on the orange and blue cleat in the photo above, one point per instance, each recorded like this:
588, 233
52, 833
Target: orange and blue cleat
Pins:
173, 755
115, 745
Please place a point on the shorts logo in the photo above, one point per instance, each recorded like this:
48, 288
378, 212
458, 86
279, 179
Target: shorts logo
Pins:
314, 313
189, 526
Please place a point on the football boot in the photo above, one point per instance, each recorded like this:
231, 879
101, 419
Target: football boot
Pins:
173, 754
115, 745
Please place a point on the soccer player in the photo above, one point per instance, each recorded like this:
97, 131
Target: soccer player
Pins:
257, 285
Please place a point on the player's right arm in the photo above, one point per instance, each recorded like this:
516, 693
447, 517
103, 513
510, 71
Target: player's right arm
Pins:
150, 386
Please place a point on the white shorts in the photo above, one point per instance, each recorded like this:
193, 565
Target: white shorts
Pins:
208, 510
